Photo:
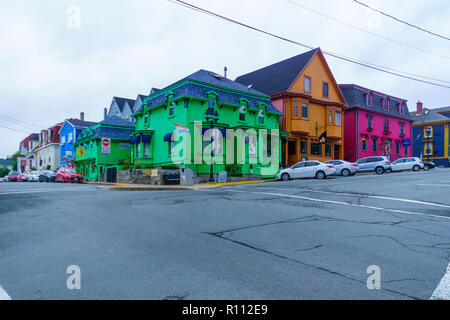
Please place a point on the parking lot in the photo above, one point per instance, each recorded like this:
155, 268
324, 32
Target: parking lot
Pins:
301, 239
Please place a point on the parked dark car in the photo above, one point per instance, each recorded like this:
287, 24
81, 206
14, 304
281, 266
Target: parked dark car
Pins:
427, 165
13, 176
47, 176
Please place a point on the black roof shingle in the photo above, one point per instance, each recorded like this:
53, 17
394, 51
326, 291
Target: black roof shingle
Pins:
203, 76
279, 76
355, 97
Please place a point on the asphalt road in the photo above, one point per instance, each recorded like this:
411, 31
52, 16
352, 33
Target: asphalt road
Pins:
304, 239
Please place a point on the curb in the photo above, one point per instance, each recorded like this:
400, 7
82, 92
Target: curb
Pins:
131, 187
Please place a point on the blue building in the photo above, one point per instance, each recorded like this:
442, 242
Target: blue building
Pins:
69, 132
430, 134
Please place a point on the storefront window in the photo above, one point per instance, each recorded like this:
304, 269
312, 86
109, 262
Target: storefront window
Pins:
316, 149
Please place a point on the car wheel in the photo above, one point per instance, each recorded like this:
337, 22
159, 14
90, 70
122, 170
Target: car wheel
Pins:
285, 177
379, 170
416, 168
345, 173
426, 167
321, 175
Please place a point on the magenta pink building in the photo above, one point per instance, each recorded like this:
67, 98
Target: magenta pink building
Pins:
376, 124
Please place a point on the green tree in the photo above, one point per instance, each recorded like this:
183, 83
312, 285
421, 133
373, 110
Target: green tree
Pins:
14, 157
4, 172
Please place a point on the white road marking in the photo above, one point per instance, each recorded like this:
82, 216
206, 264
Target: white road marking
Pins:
344, 204
368, 196
434, 185
442, 291
4, 295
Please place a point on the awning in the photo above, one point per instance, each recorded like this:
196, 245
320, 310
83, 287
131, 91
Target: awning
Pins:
146, 138
222, 131
168, 137
135, 139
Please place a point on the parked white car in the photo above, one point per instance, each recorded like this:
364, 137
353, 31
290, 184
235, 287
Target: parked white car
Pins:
34, 176
411, 163
307, 169
344, 168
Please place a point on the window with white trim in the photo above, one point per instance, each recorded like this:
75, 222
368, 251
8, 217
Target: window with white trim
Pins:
261, 117
337, 118
242, 113
171, 108
307, 84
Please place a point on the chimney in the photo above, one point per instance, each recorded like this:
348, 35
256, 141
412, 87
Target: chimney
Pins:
82, 116
419, 107
105, 113
225, 71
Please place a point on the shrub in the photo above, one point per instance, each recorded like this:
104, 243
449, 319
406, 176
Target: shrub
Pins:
4, 172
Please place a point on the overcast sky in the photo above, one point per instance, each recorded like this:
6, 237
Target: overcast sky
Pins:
51, 70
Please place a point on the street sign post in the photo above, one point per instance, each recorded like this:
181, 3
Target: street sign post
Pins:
105, 149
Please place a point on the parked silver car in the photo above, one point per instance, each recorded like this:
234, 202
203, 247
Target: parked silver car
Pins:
344, 168
377, 164
307, 169
411, 163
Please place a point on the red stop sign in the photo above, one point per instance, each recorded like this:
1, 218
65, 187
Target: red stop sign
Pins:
105, 142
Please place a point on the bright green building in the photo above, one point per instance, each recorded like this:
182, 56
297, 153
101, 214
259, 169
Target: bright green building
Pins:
174, 118
89, 160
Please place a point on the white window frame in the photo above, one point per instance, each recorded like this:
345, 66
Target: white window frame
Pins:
307, 82
336, 117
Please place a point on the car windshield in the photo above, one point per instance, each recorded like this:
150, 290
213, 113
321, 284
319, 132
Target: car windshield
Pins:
14, 173
71, 171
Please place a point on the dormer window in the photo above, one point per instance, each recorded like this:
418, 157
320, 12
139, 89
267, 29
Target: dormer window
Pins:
385, 104
171, 108
261, 117
368, 98
242, 113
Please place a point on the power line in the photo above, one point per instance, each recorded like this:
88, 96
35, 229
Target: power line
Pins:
13, 129
11, 122
21, 121
399, 20
367, 31
329, 53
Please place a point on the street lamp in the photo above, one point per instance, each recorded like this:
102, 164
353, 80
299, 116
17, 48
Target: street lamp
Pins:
211, 117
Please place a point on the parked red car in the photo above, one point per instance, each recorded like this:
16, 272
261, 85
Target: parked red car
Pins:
68, 175
23, 177
13, 176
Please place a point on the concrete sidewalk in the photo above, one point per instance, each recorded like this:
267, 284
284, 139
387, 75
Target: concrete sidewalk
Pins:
149, 187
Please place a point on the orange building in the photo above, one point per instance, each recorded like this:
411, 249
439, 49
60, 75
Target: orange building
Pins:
305, 91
